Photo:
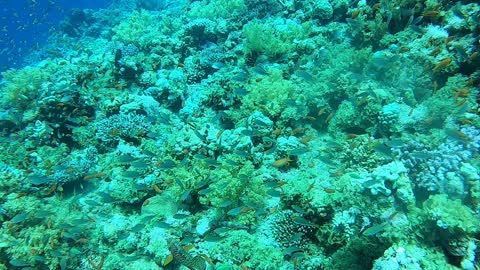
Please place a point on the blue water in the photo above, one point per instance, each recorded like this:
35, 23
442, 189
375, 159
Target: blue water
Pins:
25, 25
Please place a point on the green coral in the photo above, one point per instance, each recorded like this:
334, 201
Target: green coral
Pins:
450, 215
239, 187
20, 87
241, 247
273, 38
217, 9
270, 95
138, 29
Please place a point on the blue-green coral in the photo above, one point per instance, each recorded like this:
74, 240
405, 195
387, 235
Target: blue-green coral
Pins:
269, 134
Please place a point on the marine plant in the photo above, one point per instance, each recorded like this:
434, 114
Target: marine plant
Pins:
264, 134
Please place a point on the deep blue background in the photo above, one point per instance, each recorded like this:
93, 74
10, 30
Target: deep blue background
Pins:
25, 25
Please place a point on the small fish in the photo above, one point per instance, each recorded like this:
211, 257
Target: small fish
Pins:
291, 250
211, 237
129, 259
218, 65
417, 20
306, 140
125, 159
277, 131
247, 132
140, 186
162, 224
240, 77
305, 76
456, 135
311, 186
231, 162
326, 160
42, 213
56, 253
271, 150
329, 117
188, 247
296, 256
221, 230
204, 191
298, 151
185, 195
355, 176
138, 228
63, 263
19, 218
179, 183
225, 204
180, 216
241, 92
395, 143
139, 164
473, 57
235, 211
269, 141
163, 118
92, 203
355, 13
241, 153
290, 102
297, 237
157, 189
166, 164
283, 162
106, 198
38, 179
410, 20
329, 190
219, 134
421, 155
303, 222
374, 229
212, 162
417, 29
442, 64
222, 186
153, 135
200, 136
91, 176
355, 24
19, 263
131, 174
260, 123
431, 13
260, 70
369, 183
382, 149
147, 219
298, 209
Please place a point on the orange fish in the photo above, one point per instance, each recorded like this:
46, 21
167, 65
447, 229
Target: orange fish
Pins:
157, 189
473, 57
355, 13
431, 13
306, 140
279, 163
443, 64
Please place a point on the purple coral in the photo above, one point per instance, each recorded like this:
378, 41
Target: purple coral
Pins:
438, 170
121, 126
287, 232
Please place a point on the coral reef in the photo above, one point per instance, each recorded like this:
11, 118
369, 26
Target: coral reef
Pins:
246, 134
